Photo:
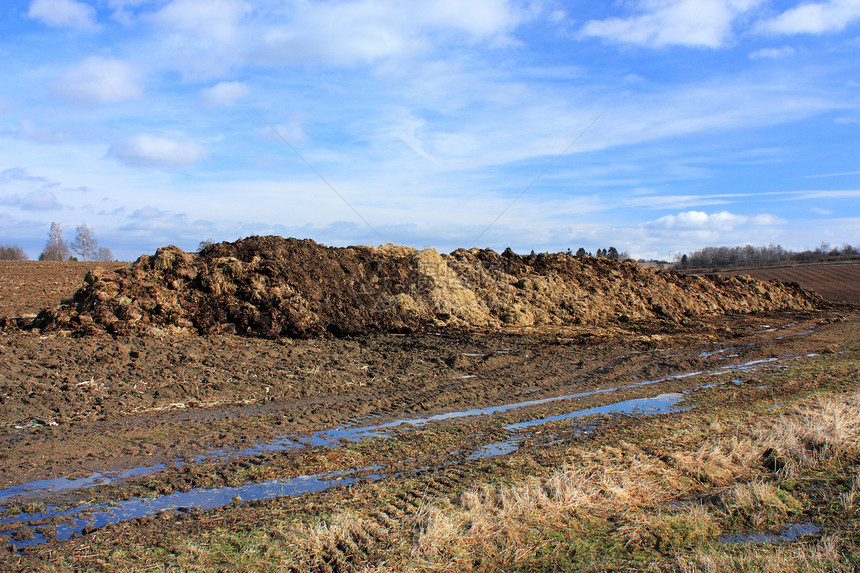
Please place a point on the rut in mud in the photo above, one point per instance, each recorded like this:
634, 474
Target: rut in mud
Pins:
272, 287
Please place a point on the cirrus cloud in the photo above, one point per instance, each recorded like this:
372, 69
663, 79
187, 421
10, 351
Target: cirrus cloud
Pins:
145, 150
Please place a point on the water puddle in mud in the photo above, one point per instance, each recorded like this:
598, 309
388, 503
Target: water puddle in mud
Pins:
662, 404
789, 533
58, 485
73, 521
496, 449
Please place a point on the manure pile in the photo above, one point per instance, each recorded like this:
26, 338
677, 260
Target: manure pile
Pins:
275, 287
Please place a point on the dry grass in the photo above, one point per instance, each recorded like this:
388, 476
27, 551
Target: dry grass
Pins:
758, 505
816, 432
822, 556
849, 499
509, 523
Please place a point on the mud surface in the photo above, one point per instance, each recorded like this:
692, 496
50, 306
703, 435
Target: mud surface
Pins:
160, 407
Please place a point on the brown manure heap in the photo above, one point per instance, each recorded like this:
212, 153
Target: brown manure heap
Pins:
274, 287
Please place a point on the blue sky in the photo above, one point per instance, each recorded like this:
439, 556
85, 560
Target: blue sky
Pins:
694, 123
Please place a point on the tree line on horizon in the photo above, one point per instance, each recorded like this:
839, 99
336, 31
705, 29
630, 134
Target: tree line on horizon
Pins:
750, 256
57, 248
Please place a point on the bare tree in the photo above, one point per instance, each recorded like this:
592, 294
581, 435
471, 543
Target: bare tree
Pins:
85, 243
12, 253
56, 249
104, 255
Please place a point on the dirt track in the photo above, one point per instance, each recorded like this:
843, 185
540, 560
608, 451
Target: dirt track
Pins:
76, 404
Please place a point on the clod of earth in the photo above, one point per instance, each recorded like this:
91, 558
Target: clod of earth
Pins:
273, 287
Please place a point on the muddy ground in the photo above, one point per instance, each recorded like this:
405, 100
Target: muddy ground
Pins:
75, 404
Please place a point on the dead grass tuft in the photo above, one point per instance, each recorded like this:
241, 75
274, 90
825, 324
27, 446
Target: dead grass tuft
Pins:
817, 432
758, 504
669, 530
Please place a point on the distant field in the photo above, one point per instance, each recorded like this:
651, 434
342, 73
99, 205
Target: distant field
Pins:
26, 287
835, 282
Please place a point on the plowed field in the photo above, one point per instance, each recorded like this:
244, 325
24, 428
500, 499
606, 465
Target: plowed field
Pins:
835, 282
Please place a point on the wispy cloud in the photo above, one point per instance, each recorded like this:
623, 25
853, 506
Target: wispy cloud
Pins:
145, 150
33, 201
680, 201
838, 174
772, 53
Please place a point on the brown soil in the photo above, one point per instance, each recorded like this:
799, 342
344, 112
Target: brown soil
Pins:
26, 287
835, 282
200, 356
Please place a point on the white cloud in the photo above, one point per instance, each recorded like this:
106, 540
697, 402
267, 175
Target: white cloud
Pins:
99, 80
145, 150
815, 18
701, 221
694, 23
690, 230
821, 211
772, 53
225, 94
63, 13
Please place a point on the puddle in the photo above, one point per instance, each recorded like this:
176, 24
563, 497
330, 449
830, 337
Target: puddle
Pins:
57, 485
496, 449
714, 352
77, 518
662, 404
790, 532
747, 366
